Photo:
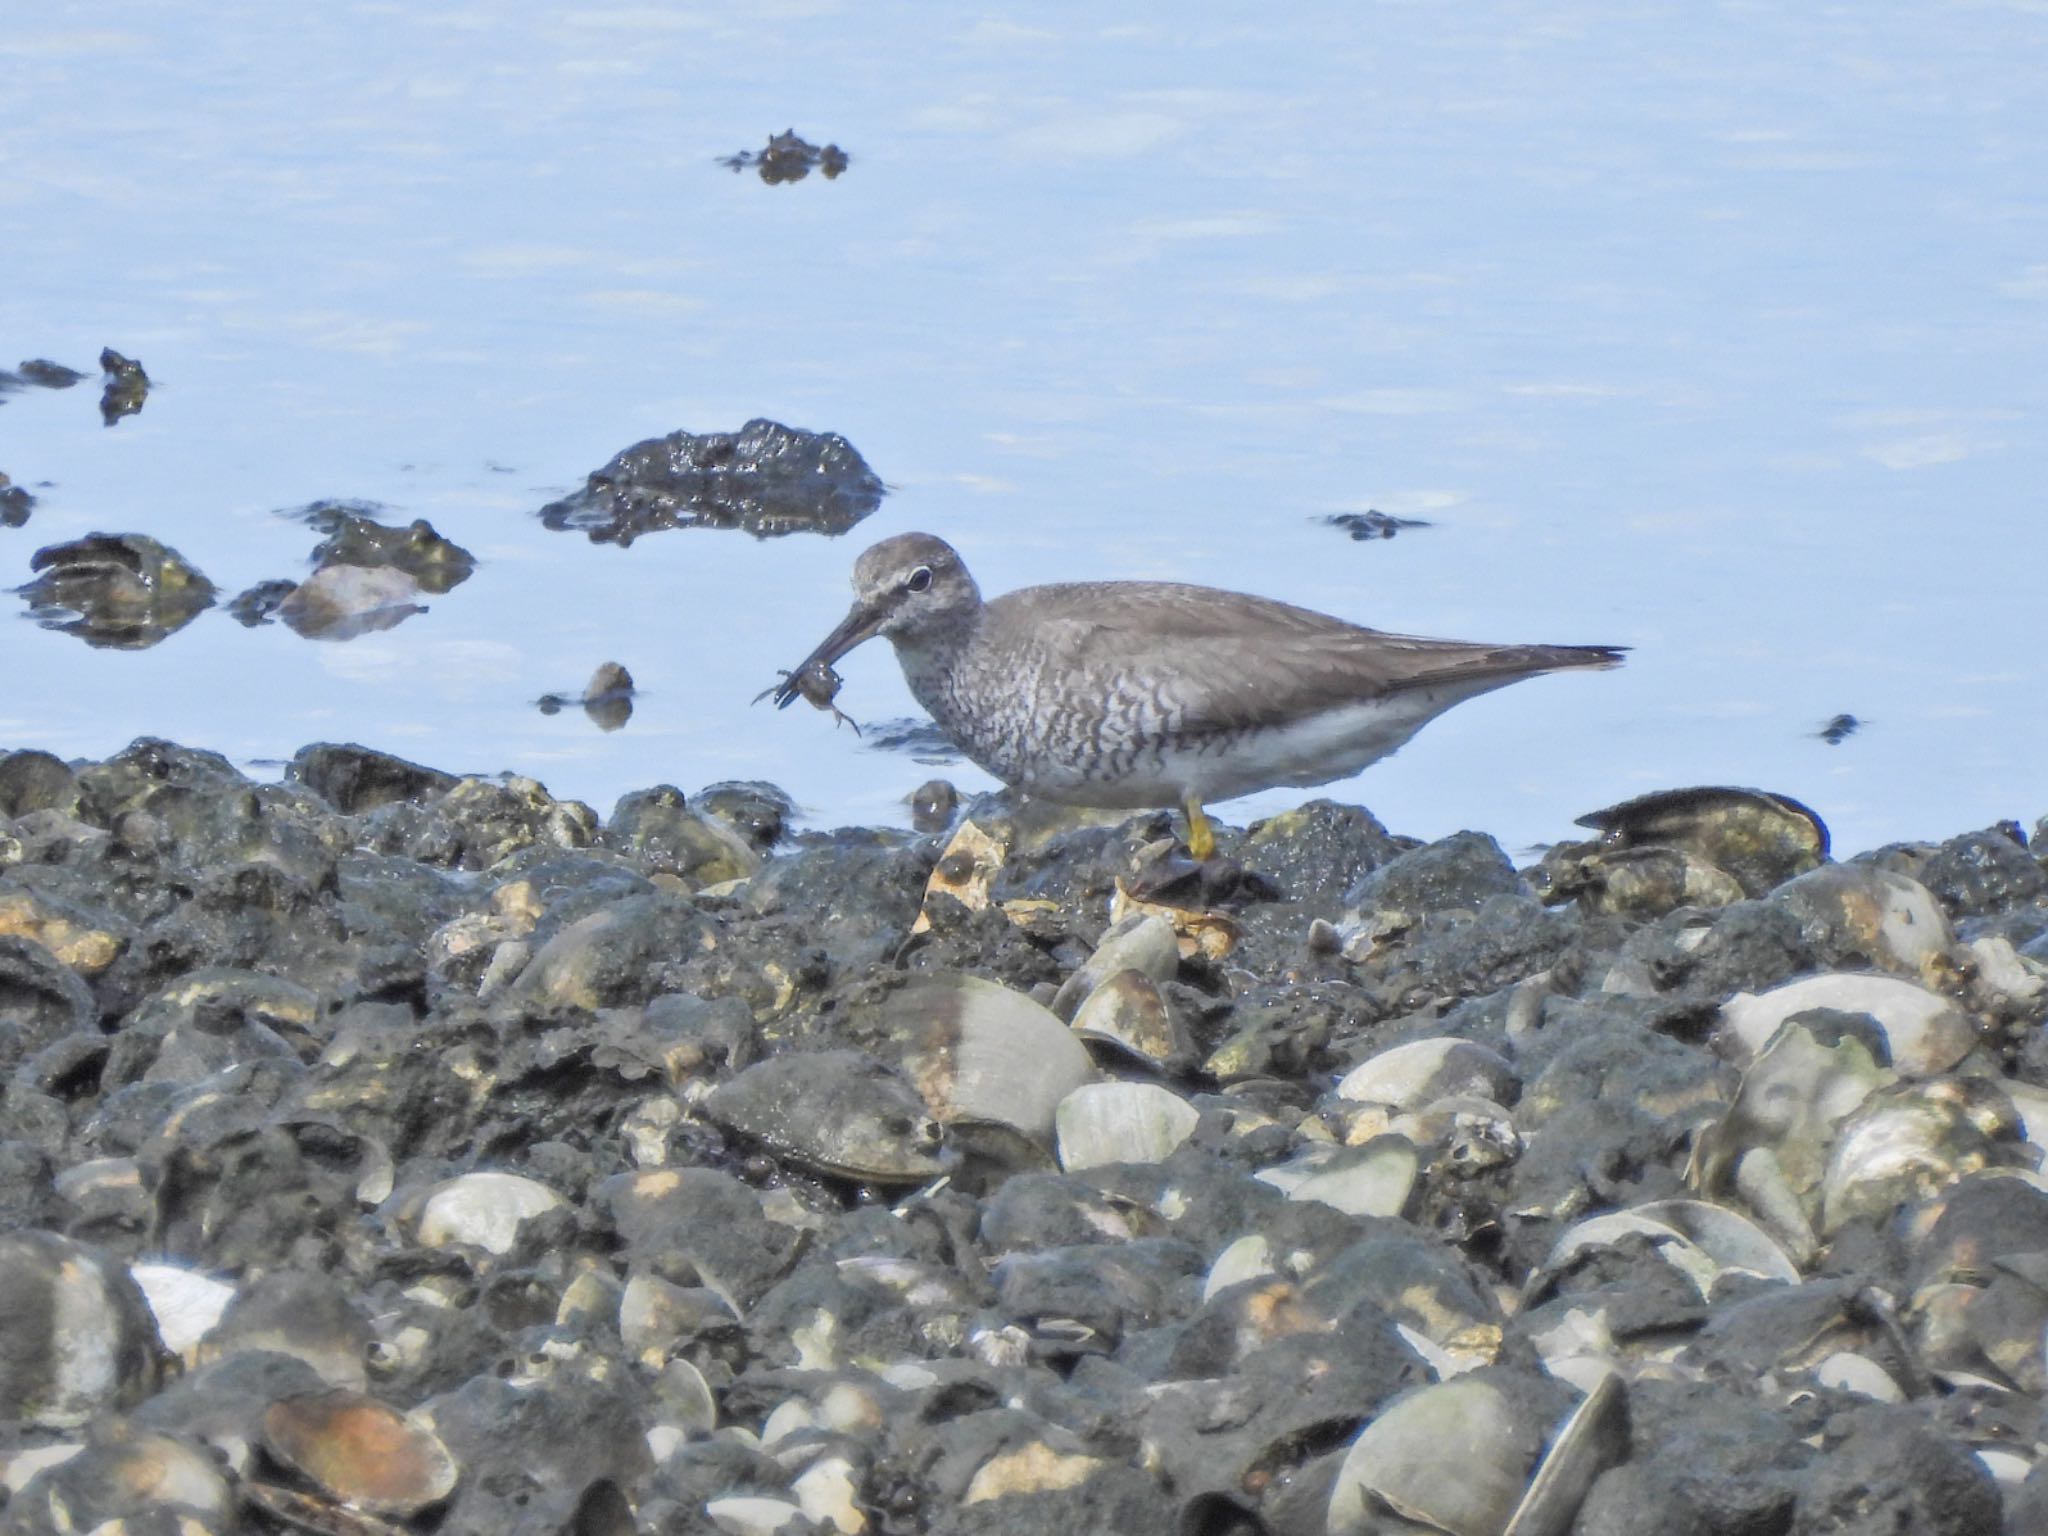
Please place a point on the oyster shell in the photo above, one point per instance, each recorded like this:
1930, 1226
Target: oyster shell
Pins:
838, 1112
360, 1452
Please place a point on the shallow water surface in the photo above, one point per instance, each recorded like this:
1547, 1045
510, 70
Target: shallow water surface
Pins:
1715, 332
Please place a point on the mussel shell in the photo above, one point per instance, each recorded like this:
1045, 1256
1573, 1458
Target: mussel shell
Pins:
1127, 1015
1760, 838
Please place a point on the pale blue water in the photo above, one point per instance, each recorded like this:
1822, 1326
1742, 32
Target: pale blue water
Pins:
1718, 331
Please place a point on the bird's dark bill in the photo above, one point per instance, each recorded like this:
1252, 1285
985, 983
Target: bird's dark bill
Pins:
858, 625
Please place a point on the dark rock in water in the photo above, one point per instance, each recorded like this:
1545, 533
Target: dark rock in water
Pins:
256, 604
346, 602
34, 781
15, 504
41, 371
355, 539
787, 158
1890, 1470
1839, 729
766, 478
1372, 524
368, 576
127, 386
356, 779
118, 591
608, 698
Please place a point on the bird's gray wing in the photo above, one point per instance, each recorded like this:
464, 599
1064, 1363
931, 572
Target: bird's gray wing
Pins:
1243, 662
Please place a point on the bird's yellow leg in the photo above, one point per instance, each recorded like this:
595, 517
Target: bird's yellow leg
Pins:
1201, 838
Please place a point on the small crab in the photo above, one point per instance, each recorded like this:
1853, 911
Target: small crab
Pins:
815, 682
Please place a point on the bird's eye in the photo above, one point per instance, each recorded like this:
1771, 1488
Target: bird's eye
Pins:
919, 579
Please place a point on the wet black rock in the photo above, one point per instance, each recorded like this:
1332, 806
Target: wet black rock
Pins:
766, 478
367, 575
119, 591
607, 700
676, 1171
759, 812
665, 836
48, 375
354, 539
15, 503
1980, 874
34, 781
1318, 852
126, 389
356, 779
1886, 1469
255, 605
789, 157
1373, 524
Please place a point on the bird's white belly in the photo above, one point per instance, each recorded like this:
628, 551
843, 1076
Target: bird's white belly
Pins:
1316, 750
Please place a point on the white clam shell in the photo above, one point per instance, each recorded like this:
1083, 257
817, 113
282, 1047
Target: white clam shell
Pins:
1453, 1457
1249, 1258
1409, 1076
1146, 944
1848, 1372
1927, 1033
482, 1210
1102, 1123
1593, 1437
980, 1052
185, 1303
1375, 1179
1700, 1240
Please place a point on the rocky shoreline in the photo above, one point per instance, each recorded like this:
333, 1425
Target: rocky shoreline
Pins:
384, 1149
